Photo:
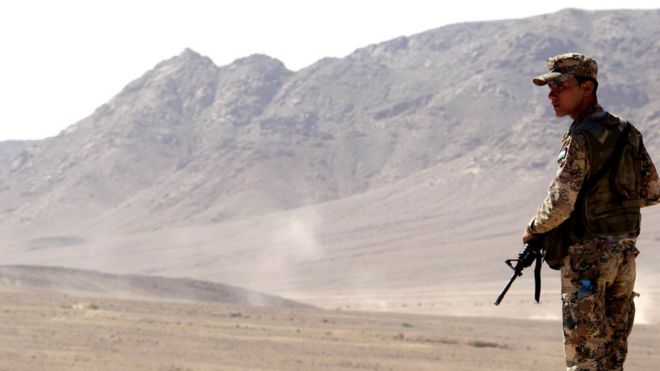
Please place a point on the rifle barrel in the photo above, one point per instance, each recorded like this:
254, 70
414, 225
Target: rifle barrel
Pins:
506, 288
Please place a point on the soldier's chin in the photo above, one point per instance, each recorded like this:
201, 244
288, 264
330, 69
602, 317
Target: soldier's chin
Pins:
559, 112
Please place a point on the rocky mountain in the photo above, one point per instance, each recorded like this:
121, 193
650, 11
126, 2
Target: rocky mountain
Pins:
191, 142
9, 148
393, 165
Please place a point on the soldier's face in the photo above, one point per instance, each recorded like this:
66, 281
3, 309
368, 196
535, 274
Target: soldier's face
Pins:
566, 97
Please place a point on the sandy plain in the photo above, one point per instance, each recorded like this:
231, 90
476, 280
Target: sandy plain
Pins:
45, 330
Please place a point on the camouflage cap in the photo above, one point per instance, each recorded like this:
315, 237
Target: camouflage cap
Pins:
563, 66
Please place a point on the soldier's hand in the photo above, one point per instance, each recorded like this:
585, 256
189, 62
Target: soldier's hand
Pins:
527, 237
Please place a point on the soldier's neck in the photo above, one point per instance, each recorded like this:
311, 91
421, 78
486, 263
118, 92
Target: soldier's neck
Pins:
586, 107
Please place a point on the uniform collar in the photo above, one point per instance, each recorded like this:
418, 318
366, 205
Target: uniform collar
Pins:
596, 111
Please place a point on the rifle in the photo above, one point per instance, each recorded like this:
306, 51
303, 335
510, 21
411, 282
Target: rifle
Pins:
531, 252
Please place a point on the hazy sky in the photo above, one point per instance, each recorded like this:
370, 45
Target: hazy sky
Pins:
59, 60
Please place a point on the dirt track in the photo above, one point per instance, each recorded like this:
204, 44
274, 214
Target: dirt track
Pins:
47, 331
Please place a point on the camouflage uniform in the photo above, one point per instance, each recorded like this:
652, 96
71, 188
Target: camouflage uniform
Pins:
598, 274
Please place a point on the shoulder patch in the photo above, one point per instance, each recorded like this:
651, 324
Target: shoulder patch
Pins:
562, 154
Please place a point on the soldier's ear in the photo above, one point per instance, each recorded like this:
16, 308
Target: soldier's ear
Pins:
588, 87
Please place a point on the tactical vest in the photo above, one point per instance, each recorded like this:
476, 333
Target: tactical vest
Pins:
611, 206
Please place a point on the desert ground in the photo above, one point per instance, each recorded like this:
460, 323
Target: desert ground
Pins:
47, 330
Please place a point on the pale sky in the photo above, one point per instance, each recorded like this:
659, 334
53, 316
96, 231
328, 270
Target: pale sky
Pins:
59, 60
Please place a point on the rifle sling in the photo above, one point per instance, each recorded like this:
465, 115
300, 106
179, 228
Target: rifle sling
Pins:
537, 277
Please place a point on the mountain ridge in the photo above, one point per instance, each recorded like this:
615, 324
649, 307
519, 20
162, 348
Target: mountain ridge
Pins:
84, 282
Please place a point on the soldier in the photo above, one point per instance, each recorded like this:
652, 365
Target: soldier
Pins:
602, 210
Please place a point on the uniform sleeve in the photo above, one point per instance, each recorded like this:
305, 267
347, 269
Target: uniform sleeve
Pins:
564, 188
650, 187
